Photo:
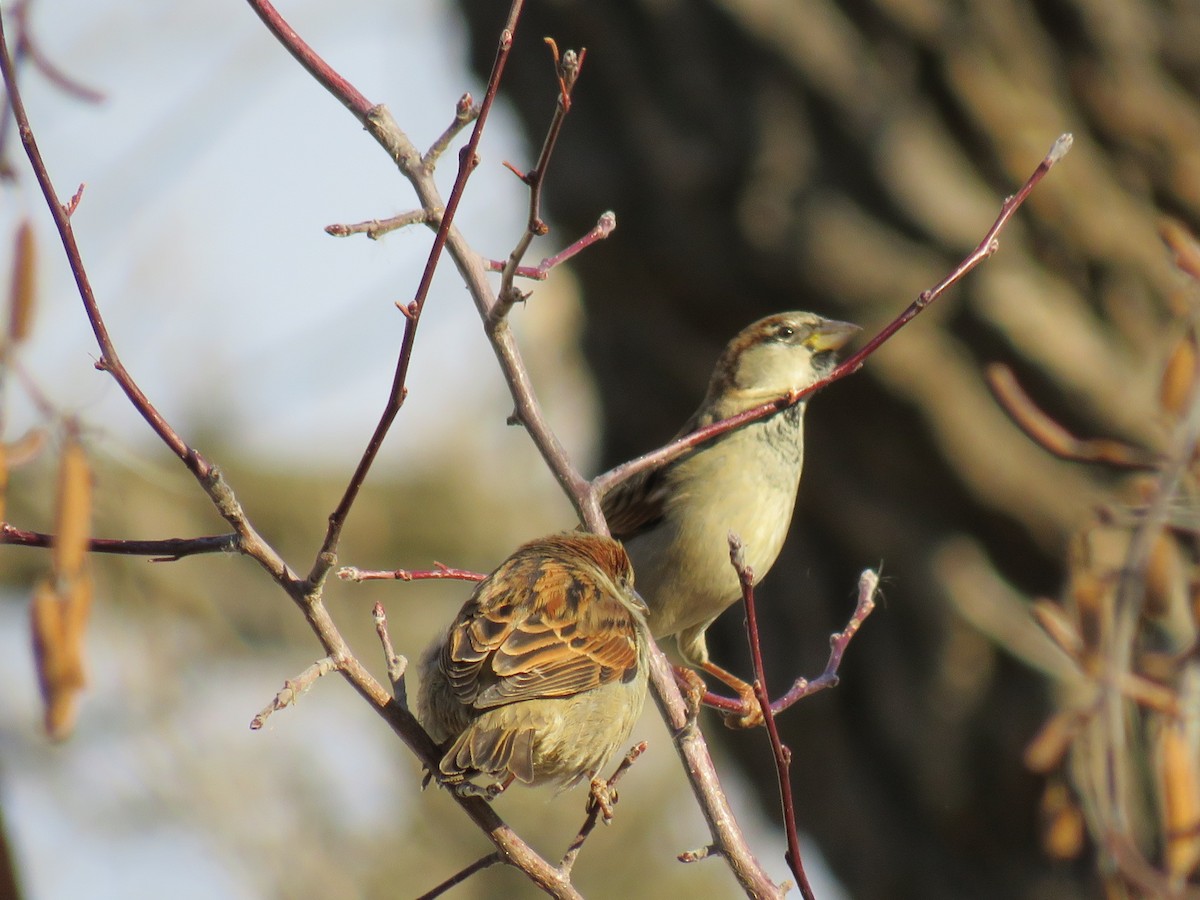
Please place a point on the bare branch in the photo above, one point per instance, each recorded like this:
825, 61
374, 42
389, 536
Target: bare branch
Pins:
377, 228
382, 126
459, 877
353, 573
292, 689
162, 550
605, 226
465, 112
567, 67
781, 754
868, 584
594, 809
396, 664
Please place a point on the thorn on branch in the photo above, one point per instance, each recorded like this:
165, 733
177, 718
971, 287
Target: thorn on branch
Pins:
73, 204
522, 175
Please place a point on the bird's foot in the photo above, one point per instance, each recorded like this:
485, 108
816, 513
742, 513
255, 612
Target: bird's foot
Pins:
602, 797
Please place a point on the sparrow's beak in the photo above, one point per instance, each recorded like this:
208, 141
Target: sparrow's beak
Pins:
831, 335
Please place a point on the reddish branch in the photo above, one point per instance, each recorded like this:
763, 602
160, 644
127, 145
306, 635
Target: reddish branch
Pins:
605, 226
868, 583
109, 361
409, 163
604, 483
782, 755
567, 68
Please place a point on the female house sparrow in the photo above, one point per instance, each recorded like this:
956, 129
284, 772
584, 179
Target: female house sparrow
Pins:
542, 675
675, 520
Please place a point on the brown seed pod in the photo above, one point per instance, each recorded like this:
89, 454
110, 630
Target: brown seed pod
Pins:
1179, 376
21, 295
73, 510
57, 633
1179, 786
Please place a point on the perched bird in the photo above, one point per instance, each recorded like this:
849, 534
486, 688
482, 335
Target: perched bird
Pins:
542, 674
675, 520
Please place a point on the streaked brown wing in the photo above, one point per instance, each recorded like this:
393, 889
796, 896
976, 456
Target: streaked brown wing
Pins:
553, 634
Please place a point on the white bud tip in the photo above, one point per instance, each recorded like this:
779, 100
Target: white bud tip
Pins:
1060, 148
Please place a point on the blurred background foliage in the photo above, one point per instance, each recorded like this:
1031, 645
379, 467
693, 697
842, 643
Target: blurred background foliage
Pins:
760, 155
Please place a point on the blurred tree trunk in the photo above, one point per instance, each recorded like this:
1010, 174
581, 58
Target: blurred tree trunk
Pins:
773, 154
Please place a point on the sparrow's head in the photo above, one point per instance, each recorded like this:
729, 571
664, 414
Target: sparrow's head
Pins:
784, 352
603, 557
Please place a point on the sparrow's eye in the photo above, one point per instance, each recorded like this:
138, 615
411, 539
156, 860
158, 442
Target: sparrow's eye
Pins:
784, 332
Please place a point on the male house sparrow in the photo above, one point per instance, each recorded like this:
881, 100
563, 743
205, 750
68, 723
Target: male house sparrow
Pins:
542, 674
675, 520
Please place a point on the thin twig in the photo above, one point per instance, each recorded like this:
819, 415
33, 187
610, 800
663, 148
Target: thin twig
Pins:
27, 46
397, 665
781, 754
109, 361
162, 550
602, 229
209, 478
377, 228
353, 573
868, 583
593, 812
292, 689
465, 112
567, 68
459, 877
604, 483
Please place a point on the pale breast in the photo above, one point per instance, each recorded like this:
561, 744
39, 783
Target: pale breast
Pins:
682, 566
